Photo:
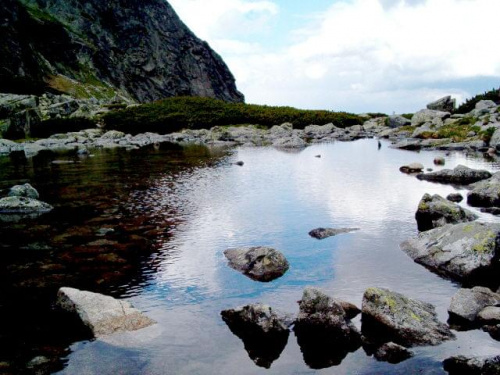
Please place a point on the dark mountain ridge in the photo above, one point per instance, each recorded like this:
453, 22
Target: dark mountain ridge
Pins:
92, 48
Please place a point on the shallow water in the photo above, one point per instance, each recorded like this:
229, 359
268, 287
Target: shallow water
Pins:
151, 226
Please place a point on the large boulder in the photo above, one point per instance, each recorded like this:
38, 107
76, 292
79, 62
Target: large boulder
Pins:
396, 121
466, 304
324, 331
445, 104
21, 205
390, 316
264, 333
321, 233
460, 365
460, 175
25, 190
259, 263
103, 315
485, 193
464, 252
429, 116
435, 211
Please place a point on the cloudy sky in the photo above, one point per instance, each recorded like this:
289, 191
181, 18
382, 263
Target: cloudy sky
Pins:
352, 55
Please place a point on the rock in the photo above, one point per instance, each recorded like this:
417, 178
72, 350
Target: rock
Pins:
263, 332
392, 353
37, 362
426, 115
390, 316
290, 142
318, 131
491, 210
21, 124
64, 109
485, 104
445, 104
103, 315
239, 163
321, 233
493, 331
495, 140
460, 365
485, 193
324, 332
396, 121
22, 205
435, 211
464, 251
258, 263
412, 168
466, 304
489, 315
113, 134
408, 144
439, 160
455, 197
460, 175
25, 190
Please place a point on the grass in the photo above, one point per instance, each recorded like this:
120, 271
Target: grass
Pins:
90, 87
456, 132
173, 114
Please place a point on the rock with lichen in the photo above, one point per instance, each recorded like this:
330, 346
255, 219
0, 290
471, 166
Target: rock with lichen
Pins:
464, 251
460, 175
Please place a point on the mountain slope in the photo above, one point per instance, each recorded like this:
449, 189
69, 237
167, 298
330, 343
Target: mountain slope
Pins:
139, 49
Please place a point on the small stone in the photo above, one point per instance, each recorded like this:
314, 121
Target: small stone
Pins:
239, 163
412, 168
439, 160
455, 197
321, 233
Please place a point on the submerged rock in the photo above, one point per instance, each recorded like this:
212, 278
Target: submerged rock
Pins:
25, 190
259, 263
467, 304
264, 333
485, 193
412, 168
103, 315
392, 353
321, 233
324, 331
460, 365
435, 211
390, 316
22, 205
464, 251
460, 175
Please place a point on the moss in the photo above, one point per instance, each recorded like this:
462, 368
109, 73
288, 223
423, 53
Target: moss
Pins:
468, 228
407, 128
407, 115
415, 316
423, 206
88, 88
486, 244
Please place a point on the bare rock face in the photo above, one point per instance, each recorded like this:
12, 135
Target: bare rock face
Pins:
103, 315
464, 252
435, 211
138, 49
390, 316
258, 263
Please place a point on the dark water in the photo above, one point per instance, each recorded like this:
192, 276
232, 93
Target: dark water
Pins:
151, 226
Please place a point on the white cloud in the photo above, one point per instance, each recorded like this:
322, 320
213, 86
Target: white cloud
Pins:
359, 55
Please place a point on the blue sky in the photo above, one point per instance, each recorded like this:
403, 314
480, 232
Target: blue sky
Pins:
352, 55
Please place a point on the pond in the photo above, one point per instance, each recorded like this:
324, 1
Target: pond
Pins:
151, 225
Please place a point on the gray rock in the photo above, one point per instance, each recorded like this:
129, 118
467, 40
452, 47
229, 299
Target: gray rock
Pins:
445, 104
464, 251
455, 197
439, 160
13, 103
64, 109
23, 205
390, 316
435, 211
290, 142
321, 233
113, 134
460, 175
461, 365
103, 315
485, 104
412, 168
408, 144
466, 304
21, 124
258, 263
396, 121
392, 353
489, 315
319, 131
485, 193
495, 140
431, 116
25, 190
259, 316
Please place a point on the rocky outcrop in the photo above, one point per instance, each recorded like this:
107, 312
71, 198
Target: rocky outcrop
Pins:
103, 315
429, 116
321, 233
390, 316
464, 252
258, 263
485, 193
140, 50
460, 365
324, 331
435, 211
264, 333
460, 175
467, 304
445, 104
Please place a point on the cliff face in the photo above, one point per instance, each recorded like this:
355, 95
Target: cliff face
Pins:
140, 49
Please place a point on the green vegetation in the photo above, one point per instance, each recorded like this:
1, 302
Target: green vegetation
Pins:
173, 114
63, 125
470, 104
458, 132
407, 115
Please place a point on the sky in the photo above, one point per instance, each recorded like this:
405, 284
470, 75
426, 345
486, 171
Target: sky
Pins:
390, 56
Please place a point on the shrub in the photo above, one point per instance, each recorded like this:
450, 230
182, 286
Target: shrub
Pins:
63, 125
173, 114
470, 104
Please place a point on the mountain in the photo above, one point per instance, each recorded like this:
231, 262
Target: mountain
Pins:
138, 49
